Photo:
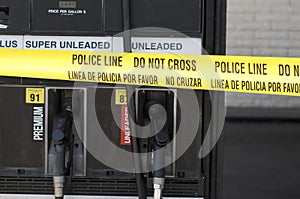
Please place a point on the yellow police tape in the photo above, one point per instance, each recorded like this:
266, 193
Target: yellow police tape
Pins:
263, 75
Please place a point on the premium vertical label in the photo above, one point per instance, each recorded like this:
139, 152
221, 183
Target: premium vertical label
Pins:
38, 124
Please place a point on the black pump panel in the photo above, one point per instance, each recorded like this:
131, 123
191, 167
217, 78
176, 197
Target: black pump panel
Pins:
66, 15
17, 127
14, 15
179, 15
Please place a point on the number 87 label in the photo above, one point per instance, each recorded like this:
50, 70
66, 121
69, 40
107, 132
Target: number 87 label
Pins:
35, 95
121, 97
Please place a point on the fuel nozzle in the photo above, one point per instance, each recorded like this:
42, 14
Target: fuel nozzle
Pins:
62, 129
157, 115
59, 168
161, 140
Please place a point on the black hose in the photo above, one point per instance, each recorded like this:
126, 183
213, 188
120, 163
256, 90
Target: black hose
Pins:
213, 172
217, 98
136, 149
126, 25
131, 107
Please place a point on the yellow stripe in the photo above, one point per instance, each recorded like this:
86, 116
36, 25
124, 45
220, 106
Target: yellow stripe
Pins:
264, 75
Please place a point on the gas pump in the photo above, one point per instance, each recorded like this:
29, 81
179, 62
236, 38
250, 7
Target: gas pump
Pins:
49, 152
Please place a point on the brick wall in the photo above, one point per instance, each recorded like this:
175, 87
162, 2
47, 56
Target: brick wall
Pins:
263, 28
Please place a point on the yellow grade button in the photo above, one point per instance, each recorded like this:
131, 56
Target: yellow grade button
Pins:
121, 97
35, 95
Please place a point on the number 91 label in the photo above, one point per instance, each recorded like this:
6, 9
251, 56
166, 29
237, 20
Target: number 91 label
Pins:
121, 97
35, 95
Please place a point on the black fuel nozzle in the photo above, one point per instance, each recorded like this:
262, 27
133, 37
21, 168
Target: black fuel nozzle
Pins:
157, 114
59, 145
62, 129
161, 139
59, 164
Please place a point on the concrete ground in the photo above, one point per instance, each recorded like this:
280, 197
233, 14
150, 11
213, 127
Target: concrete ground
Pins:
262, 159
